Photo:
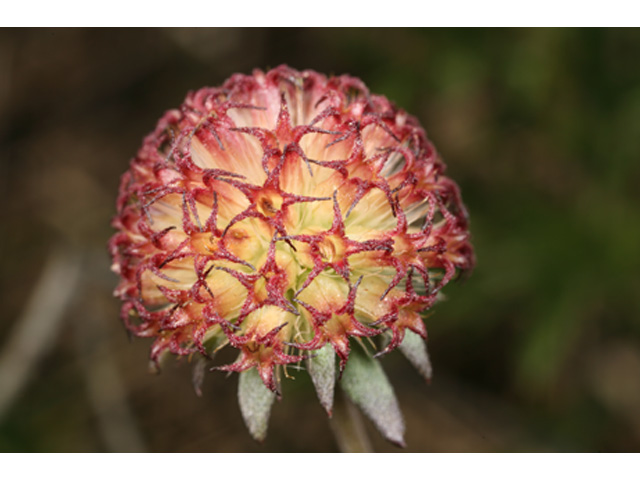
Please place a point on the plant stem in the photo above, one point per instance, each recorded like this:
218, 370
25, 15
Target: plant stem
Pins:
348, 426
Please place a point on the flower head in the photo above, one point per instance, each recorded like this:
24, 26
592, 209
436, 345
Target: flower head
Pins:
285, 214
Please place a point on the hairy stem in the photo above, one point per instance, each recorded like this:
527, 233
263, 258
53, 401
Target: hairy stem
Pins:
348, 426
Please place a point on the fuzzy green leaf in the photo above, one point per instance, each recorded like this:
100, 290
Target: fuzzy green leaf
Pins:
366, 384
255, 403
197, 378
322, 369
415, 349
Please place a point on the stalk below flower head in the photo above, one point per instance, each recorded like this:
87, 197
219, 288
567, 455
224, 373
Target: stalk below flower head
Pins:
289, 215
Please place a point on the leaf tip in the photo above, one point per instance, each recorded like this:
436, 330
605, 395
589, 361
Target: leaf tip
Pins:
255, 401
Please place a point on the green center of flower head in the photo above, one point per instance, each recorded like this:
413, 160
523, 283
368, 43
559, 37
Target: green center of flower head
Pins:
282, 213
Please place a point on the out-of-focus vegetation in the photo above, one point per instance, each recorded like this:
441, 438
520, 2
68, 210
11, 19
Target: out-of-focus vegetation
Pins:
538, 350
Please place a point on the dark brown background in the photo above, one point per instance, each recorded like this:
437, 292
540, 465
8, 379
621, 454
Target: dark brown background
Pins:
539, 350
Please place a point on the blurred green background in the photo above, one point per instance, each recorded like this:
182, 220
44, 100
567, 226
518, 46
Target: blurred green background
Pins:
539, 350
